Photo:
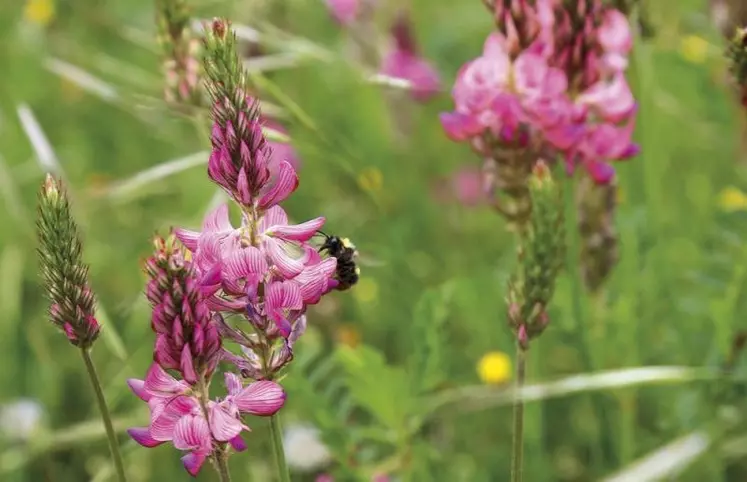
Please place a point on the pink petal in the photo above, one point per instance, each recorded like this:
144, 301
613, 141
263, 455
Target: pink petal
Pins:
157, 380
138, 388
460, 127
296, 232
165, 417
193, 462
314, 281
233, 383
188, 238
274, 216
285, 183
142, 436
191, 433
344, 12
285, 264
261, 398
217, 220
187, 366
238, 443
223, 425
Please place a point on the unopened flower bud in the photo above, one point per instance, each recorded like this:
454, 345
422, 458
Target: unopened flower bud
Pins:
65, 276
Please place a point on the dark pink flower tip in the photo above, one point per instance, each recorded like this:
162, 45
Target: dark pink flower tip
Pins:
193, 462
142, 436
262, 398
138, 388
601, 172
460, 127
238, 443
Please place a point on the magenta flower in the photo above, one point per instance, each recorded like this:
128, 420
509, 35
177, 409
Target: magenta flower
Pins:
403, 62
187, 339
179, 418
553, 80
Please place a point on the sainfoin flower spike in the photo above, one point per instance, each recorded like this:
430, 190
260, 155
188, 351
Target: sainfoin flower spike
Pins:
187, 337
65, 275
181, 51
72, 302
549, 82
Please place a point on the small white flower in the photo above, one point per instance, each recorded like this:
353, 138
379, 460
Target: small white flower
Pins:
20, 418
304, 450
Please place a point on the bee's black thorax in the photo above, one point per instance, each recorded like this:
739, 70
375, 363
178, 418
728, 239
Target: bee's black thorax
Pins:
347, 270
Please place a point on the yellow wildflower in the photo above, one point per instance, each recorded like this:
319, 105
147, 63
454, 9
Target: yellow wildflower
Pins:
348, 335
494, 368
371, 179
694, 49
366, 290
732, 199
40, 12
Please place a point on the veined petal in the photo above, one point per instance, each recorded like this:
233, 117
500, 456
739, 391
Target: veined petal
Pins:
233, 383
217, 220
274, 216
188, 238
138, 388
286, 182
223, 425
285, 264
191, 433
296, 232
157, 380
142, 436
260, 398
314, 281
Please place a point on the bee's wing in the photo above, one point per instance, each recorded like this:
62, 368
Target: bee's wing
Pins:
368, 261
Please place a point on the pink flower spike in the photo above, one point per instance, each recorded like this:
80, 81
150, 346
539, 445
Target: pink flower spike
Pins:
262, 398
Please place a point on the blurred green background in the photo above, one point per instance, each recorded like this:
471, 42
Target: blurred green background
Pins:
430, 301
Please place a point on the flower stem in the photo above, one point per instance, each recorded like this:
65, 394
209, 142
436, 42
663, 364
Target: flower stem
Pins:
517, 451
105, 416
221, 465
277, 447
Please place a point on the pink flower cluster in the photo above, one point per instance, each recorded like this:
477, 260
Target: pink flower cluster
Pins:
523, 98
179, 416
188, 342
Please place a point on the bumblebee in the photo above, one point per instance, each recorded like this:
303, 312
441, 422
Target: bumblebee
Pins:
341, 248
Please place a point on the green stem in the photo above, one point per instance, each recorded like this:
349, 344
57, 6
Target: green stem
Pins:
221, 465
517, 450
277, 447
105, 416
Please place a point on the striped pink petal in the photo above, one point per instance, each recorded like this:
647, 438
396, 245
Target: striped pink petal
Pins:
260, 398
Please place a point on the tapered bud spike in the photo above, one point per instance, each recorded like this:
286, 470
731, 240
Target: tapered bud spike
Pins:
65, 276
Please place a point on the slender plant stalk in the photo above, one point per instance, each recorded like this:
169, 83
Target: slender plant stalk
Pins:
517, 451
221, 465
105, 416
277, 447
